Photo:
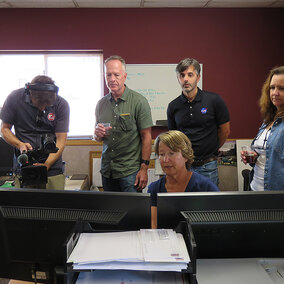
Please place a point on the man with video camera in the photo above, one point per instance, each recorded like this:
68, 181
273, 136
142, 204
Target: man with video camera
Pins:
41, 121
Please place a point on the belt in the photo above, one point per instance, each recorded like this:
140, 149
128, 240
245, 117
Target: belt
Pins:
200, 162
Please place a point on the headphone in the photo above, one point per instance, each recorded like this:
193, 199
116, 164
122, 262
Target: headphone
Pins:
41, 87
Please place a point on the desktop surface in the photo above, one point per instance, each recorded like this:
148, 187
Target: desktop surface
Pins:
236, 271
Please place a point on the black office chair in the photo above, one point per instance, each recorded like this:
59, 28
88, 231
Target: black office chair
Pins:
246, 176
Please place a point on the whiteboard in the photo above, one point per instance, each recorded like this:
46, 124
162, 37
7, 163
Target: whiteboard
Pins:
157, 83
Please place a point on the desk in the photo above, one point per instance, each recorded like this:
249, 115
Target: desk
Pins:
77, 182
236, 271
7, 184
7, 181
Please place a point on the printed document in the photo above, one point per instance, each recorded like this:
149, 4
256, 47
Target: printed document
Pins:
147, 249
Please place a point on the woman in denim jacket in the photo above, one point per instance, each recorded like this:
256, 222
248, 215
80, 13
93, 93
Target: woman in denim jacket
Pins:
268, 145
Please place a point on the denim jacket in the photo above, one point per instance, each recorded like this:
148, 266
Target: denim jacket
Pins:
274, 165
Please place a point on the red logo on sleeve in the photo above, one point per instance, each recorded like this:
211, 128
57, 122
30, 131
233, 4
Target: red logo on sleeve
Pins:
51, 116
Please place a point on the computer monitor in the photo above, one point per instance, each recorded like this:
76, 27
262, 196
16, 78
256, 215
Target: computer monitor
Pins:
228, 224
6, 158
35, 224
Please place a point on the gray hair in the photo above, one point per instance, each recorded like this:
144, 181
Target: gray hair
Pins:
185, 63
116, 57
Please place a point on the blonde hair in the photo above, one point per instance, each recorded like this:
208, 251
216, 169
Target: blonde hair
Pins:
177, 142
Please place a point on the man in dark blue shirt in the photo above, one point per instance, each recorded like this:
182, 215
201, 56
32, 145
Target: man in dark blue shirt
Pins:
202, 116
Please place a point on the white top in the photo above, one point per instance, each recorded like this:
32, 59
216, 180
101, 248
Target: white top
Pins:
259, 146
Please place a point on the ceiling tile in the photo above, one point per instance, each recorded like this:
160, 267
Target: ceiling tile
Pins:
278, 4
239, 4
108, 3
4, 5
41, 4
138, 3
115, 2
169, 3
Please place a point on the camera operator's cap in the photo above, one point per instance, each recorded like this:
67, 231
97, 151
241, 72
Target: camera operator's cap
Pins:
42, 87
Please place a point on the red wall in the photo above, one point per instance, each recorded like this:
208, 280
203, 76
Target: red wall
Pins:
236, 46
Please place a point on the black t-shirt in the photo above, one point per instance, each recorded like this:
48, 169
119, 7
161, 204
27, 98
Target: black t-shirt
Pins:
30, 123
199, 120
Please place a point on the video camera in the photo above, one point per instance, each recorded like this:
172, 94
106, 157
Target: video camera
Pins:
35, 176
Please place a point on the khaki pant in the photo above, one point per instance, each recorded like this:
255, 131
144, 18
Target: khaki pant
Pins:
54, 182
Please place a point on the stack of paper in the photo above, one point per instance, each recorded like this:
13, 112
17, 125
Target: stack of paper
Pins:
155, 250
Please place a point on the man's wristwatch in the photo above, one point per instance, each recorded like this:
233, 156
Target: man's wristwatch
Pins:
146, 162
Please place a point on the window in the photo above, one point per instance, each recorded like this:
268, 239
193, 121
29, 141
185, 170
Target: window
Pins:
79, 76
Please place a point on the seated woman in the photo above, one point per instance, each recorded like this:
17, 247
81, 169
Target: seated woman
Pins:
176, 157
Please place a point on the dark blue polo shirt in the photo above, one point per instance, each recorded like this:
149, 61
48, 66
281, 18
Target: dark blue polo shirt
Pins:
197, 183
29, 122
199, 120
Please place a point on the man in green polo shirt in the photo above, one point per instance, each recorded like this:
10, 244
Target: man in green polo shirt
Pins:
127, 142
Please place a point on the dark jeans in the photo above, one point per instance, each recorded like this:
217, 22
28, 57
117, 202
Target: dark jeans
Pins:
124, 184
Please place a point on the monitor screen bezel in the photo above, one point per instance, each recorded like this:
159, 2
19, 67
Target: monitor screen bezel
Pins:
6, 158
227, 239
19, 266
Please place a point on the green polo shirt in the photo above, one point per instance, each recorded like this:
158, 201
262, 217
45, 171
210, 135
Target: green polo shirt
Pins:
122, 147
